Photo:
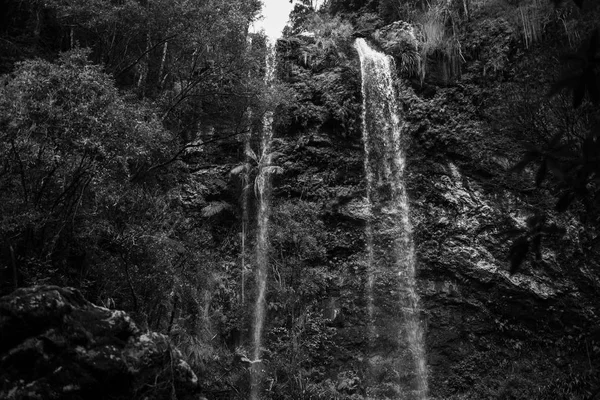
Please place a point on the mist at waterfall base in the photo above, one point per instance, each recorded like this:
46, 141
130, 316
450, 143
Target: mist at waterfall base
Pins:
390, 249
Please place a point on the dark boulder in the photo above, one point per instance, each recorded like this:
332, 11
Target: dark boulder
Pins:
57, 345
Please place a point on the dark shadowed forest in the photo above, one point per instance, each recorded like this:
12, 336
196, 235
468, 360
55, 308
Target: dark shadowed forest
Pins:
397, 199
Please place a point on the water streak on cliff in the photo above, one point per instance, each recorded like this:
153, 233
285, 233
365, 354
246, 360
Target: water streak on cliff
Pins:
263, 191
390, 248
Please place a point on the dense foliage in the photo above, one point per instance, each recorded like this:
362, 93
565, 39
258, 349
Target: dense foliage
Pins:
103, 136
129, 160
71, 146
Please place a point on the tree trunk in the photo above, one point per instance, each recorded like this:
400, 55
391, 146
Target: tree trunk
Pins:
162, 64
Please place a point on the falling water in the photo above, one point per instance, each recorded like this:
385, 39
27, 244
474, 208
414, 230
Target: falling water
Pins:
245, 187
390, 249
262, 189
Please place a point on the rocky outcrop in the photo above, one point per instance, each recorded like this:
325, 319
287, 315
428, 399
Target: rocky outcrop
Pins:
476, 311
489, 333
398, 40
57, 345
417, 56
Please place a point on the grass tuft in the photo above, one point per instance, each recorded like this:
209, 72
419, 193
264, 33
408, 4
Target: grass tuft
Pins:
437, 45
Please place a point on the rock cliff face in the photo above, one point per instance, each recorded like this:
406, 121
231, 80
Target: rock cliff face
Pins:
57, 345
490, 334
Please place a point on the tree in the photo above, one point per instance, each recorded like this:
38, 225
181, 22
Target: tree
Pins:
70, 144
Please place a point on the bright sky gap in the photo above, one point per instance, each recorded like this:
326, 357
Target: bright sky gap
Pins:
275, 17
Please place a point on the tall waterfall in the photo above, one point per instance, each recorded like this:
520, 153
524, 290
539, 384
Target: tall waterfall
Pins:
397, 365
262, 190
245, 187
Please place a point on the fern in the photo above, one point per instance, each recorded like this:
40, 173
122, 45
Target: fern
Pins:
214, 208
251, 155
245, 167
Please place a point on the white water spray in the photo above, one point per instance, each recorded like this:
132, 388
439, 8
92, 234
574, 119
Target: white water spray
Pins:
390, 248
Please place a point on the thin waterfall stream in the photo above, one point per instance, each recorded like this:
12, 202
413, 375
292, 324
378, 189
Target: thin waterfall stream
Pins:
262, 190
395, 331
244, 232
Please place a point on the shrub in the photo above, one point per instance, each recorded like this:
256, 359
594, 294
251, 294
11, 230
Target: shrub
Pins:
71, 211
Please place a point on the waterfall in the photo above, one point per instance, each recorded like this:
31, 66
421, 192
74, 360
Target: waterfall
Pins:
262, 190
245, 186
395, 333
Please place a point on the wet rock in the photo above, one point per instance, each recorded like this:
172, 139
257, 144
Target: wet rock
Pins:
57, 345
474, 308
